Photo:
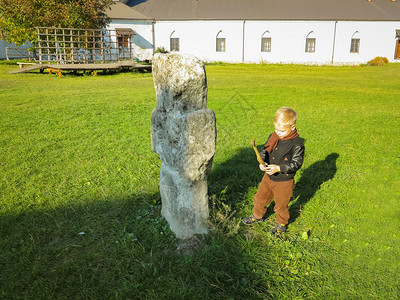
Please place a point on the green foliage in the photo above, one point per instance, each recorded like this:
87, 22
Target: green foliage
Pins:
161, 50
18, 18
216, 63
80, 214
378, 61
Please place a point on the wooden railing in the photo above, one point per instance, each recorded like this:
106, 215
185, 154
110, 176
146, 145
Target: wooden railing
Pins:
77, 46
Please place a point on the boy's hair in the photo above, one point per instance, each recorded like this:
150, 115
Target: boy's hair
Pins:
286, 116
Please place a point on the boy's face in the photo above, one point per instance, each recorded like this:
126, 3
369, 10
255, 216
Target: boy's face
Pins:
283, 130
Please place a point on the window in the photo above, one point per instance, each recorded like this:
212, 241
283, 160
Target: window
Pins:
220, 42
355, 43
123, 37
310, 45
174, 44
221, 45
123, 41
310, 42
265, 44
355, 46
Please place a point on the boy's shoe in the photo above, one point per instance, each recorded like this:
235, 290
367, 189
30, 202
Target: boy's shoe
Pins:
251, 220
278, 229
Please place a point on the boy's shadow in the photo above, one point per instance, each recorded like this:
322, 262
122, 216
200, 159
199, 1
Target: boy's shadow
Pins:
309, 183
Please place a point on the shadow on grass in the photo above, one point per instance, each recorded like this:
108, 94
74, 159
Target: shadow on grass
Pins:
235, 176
310, 182
116, 249
123, 248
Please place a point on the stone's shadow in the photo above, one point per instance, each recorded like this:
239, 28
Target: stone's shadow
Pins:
310, 182
235, 176
115, 247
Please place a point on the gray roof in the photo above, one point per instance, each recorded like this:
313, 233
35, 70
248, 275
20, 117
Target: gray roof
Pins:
362, 10
122, 11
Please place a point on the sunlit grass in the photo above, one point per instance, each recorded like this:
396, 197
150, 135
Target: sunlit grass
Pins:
80, 206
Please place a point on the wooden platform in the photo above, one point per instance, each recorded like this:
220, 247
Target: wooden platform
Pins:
82, 67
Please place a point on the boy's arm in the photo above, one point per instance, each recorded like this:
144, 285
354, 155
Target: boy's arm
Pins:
293, 165
264, 154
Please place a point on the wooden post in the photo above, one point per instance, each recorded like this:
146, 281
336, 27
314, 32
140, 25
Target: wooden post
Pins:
64, 46
102, 46
93, 46
48, 45
130, 47
56, 47
72, 46
39, 45
86, 46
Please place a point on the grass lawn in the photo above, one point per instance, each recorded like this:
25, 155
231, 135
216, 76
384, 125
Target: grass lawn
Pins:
80, 205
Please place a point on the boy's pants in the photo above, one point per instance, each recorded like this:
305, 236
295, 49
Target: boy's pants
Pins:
282, 191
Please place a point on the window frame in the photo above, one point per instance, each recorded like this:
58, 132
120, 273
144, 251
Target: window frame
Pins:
266, 44
123, 41
174, 44
355, 45
311, 44
220, 44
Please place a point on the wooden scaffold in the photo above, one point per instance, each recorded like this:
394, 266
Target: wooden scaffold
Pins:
84, 49
77, 46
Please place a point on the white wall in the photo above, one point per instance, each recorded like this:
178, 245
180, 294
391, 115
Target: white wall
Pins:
142, 42
199, 38
3, 45
376, 39
288, 40
14, 54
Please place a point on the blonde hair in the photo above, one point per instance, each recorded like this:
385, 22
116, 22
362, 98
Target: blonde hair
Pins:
286, 116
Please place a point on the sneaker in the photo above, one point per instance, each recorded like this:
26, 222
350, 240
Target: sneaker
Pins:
278, 229
251, 220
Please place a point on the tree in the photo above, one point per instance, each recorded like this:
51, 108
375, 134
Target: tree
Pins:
18, 18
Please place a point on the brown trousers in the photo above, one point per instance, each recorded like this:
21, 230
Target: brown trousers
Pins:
282, 191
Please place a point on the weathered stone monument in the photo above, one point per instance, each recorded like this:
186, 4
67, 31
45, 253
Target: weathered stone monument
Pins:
183, 133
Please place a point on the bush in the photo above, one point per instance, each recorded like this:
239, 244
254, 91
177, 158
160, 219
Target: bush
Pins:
378, 61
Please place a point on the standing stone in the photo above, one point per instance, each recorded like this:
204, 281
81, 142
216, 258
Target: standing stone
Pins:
183, 134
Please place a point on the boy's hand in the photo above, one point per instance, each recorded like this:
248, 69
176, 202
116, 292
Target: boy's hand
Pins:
262, 168
272, 169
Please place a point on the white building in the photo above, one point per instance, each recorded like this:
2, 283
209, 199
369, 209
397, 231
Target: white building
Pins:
11, 51
273, 31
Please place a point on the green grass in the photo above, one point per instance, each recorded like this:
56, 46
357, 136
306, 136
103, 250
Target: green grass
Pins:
80, 205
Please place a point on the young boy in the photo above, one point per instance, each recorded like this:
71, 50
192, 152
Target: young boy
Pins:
283, 153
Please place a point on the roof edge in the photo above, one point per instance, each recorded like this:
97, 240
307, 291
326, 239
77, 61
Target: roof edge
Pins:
259, 20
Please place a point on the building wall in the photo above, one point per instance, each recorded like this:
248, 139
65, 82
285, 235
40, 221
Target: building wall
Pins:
3, 45
14, 54
142, 42
199, 38
376, 39
288, 39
